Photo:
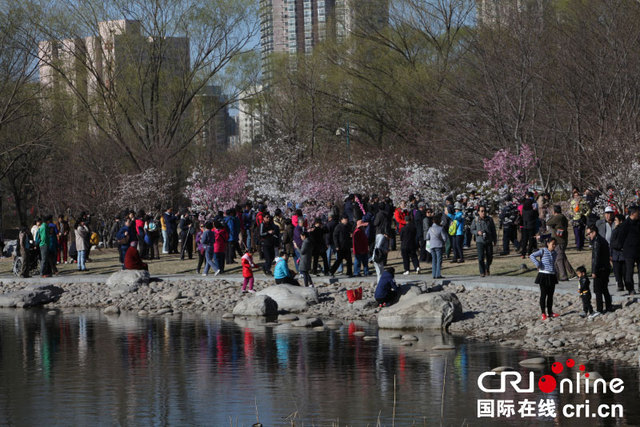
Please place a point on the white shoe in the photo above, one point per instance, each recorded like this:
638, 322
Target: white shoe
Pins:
595, 314
216, 273
418, 270
406, 273
252, 291
204, 274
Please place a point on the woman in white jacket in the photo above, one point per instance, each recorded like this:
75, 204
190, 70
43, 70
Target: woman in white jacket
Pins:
82, 244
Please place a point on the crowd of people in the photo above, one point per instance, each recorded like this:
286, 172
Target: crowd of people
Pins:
359, 232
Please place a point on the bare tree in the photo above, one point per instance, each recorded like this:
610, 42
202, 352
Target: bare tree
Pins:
135, 68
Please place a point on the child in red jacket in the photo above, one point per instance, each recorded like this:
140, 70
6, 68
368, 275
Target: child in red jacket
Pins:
247, 270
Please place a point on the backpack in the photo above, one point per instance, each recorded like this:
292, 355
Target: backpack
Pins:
94, 239
152, 226
453, 227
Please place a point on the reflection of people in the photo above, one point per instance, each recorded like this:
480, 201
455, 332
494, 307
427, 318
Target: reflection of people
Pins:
387, 291
132, 260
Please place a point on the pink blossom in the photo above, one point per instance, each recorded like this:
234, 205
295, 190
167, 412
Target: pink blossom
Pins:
511, 170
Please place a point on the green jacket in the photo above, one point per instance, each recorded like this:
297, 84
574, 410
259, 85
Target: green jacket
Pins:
42, 234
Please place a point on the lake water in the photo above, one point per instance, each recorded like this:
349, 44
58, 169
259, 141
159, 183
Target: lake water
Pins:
84, 368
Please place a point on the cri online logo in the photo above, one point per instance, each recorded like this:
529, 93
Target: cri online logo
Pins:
548, 383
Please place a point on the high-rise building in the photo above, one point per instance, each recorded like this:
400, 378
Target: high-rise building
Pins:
493, 12
251, 116
211, 115
296, 26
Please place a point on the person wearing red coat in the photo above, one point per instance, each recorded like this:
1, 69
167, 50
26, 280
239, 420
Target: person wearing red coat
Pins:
400, 216
220, 246
361, 248
132, 260
247, 270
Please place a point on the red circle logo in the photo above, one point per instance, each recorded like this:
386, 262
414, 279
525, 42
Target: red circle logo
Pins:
557, 367
571, 363
547, 384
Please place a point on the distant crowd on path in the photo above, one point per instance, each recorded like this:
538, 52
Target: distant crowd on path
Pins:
362, 230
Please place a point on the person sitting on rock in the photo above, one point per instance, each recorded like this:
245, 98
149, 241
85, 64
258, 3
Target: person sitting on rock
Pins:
281, 272
132, 260
387, 291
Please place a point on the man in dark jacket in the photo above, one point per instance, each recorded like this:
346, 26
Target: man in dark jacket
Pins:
329, 228
408, 245
630, 244
484, 229
342, 242
509, 217
419, 215
387, 291
270, 237
605, 225
600, 268
316, 234
381, 220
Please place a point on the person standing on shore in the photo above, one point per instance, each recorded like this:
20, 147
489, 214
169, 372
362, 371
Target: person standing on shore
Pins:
484, 229
247, 270
600, 268
559, 226
546, 277
585, 293
617, 258
629, 243
579, 211
306, 252
437, 238
408, 243
82, 241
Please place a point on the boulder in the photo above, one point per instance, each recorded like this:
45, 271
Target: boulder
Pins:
112, 309
424, 311
535, 361
259, 305
31, 296
127, 281
291, 298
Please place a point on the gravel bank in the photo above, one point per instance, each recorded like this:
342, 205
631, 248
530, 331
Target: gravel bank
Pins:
512, 317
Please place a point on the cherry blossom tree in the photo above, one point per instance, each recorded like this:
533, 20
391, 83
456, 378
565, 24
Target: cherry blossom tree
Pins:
315, 188
212, 190
149, 190
418, 179
511, 170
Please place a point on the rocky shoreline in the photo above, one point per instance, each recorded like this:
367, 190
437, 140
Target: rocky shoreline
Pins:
506, 316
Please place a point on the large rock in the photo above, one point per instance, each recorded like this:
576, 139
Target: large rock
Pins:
31, 296
425, 311
126, 281
259, 305
291, 298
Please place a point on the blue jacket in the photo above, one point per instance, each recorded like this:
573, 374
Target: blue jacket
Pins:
281, 270
385, 284
208, 238
459, 216
231, 226
121, 234
169, 222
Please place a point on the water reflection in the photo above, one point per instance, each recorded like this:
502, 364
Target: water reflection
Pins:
90, 369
